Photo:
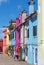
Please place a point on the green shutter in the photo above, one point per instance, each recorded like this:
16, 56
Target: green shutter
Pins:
11, 36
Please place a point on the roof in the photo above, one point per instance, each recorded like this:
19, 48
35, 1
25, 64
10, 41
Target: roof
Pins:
26, 20
1, 40
31, 2
24, 11
32, 15
12, 21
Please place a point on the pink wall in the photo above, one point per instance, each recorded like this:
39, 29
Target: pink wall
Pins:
4, 42
17, 38
18, 22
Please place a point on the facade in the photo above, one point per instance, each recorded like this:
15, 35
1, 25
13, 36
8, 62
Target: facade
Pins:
1, 46
12, 38
18, 31
21, 34
12, 33
24, 35
41, 32
29, 34
33, 34
6, 41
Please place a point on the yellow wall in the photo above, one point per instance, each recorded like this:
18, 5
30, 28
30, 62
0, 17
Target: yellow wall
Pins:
41, 33
42, 19
7, 38
39, 20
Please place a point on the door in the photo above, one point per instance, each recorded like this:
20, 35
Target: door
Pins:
35, 55
1, 46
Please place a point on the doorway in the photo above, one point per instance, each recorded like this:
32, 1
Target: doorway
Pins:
35, 55
0, 49
1, 46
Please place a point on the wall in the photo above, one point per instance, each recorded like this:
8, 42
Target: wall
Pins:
13, 40
1, 45
23, 30
18, 22
7, 38
18, 31
32, 40
6, 41
41, 33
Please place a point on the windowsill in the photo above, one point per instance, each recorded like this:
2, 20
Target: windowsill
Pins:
26, 37
35, 36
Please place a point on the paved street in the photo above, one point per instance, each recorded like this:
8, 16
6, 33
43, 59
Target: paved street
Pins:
6, 60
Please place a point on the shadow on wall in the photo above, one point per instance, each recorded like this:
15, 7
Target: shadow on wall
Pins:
34, 18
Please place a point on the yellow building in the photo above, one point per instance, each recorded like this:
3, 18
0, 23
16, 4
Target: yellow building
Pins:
7, 31
7, 37
6, 41
41, 32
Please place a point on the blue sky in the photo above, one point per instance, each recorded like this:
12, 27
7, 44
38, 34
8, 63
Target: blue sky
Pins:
10, 9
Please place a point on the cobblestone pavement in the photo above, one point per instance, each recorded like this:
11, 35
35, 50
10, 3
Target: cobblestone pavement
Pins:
6, 60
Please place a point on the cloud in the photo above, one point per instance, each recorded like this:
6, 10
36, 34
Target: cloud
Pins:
1, 1
19, 6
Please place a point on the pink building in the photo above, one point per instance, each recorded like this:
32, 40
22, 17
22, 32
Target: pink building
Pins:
4, 42
18, 31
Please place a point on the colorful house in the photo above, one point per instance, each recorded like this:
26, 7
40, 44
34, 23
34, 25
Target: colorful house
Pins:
1, 46
6, 41
12, 32
41, 32
18, 31
33, 33
24, 34
21, 33
12, 36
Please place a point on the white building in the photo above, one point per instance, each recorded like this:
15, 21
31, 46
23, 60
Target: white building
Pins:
24, 34
41, 32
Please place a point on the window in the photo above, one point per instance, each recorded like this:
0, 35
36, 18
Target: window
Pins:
19, 33
27, 23
15, 35
11, 36
5, 36
34, 30
25, 49
39, 9
19, 21
28, 33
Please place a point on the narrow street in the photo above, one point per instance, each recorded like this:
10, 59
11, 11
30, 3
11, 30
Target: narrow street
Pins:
6, 60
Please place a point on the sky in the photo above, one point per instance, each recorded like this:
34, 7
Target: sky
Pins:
10, 9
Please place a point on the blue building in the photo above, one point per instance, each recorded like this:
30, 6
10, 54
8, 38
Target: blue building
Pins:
12, 38
12, 32
33, 33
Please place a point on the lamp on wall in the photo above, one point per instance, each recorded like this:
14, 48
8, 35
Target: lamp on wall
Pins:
41, 43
